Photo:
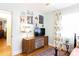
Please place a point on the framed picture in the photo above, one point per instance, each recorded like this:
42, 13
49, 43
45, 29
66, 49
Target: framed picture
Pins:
30, 19
23, 20
41, 19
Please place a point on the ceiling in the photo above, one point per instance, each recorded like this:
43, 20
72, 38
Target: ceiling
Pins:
47, 7
42, 5
39, 1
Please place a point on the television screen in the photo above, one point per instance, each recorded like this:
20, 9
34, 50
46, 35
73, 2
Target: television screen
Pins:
39, 31
42, 31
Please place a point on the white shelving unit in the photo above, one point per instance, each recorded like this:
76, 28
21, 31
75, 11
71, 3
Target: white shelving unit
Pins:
57, 28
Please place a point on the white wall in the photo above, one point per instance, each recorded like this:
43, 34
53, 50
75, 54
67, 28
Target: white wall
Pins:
49, 25
16, 10
17, 35
70, 10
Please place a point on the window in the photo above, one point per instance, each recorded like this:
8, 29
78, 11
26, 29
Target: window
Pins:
70, 25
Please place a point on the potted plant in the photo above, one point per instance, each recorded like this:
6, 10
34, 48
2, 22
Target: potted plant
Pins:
67, 41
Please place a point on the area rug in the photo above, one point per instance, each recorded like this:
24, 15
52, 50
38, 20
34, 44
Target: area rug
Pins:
50, 52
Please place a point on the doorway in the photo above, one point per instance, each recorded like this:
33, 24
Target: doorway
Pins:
5, 33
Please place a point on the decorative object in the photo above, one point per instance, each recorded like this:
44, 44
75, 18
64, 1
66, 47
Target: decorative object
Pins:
26, 18
23, 22
67, 41
23, 19
30, 19
41, 19
36, 18
29, 12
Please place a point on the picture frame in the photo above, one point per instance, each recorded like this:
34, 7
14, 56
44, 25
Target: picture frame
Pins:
41, 19
23, 20
30, 19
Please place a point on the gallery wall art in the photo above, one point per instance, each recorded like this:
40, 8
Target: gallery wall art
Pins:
41, 19
30, 19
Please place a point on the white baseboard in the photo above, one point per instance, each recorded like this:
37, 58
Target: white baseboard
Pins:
51, 44
16, 52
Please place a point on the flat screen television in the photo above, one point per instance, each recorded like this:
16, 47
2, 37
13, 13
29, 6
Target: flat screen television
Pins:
39, 31
42, 31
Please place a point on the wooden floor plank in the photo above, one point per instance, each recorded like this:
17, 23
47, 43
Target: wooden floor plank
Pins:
35, 52
4, 49
62, 52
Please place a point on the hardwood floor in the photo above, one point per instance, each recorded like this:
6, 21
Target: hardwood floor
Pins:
4, 49
35, 52
62, 53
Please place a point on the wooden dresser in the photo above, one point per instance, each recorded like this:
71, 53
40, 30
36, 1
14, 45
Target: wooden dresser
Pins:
29, 46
